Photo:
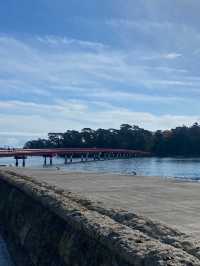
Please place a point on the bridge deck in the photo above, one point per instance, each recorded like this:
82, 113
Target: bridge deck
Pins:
65, 151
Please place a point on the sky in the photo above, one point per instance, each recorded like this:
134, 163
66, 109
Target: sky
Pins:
75, 64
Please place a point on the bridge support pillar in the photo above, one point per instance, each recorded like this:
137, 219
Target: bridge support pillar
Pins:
71, 158
82, 158
66, 159
45, 160
24, 162
51, 160
86, 158
16, 162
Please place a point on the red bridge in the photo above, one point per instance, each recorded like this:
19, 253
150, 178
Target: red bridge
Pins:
85, 154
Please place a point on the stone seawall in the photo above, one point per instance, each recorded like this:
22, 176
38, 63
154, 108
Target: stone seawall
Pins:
46, 226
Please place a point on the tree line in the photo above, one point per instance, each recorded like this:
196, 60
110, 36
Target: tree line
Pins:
180, 141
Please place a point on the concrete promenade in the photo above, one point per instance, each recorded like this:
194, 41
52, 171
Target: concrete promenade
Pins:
175, 203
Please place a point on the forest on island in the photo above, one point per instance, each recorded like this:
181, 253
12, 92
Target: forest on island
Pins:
180, 141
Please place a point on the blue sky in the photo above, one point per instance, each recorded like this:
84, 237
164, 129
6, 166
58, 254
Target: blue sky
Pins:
74, 64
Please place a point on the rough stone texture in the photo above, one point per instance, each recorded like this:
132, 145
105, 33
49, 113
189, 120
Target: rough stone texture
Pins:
55, 228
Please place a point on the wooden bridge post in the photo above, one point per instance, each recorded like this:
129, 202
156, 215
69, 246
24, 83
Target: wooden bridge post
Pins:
82, 157
87, 155
71, 158
51, 160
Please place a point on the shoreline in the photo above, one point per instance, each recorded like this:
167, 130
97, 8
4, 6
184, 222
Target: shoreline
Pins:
161, 167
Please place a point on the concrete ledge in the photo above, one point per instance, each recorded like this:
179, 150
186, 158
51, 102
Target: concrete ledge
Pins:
54, 227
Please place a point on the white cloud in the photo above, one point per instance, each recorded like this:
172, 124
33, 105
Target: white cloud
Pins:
66, 88
26, 122
27, 69
57, 41
135, 97
171, 55
165, 56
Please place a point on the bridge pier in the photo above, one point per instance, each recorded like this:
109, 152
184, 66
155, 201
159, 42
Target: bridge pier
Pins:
99, 156
16, 162
24, 162
71, 158
17, 158
66, 159
87, 155
51, 160
45, 160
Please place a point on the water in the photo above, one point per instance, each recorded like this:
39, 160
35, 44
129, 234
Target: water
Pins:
5, 259
182, 168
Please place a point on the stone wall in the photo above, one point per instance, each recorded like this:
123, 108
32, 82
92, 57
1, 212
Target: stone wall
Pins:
46, 226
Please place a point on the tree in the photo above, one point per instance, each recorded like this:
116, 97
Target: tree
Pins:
180, 141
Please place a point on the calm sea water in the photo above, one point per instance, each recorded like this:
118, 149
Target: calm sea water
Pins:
183, 168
